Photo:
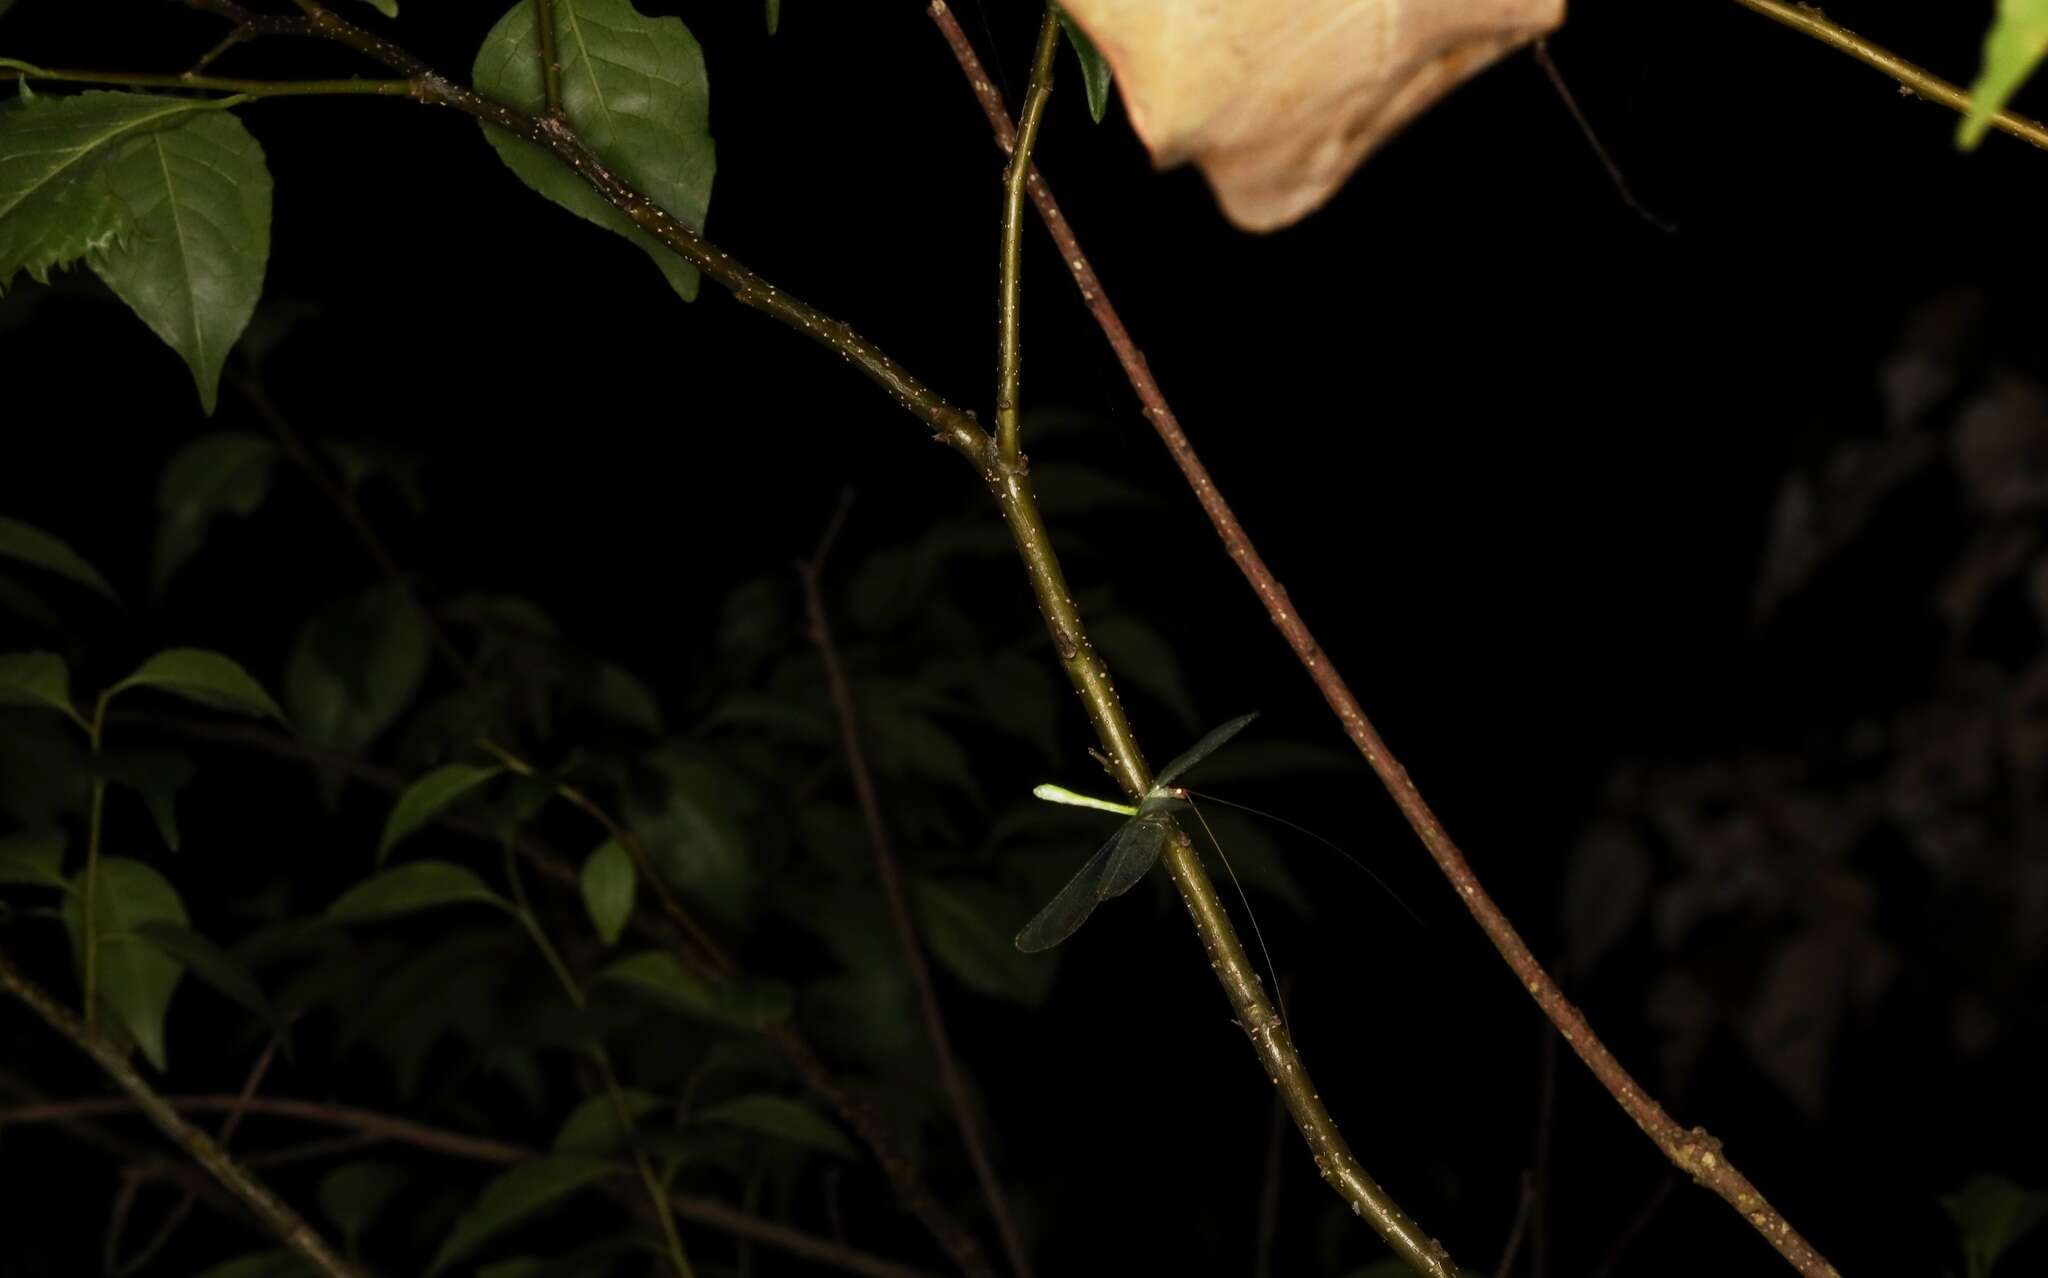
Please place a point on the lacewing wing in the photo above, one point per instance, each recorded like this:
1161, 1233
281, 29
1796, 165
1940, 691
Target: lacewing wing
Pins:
1201, 750
1070, 907
1130, 853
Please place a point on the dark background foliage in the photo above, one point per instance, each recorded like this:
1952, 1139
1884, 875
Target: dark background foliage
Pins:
1692, 573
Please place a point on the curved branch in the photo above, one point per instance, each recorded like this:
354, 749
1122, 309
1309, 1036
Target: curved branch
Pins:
290, 1227
1008, 354
1692, 1150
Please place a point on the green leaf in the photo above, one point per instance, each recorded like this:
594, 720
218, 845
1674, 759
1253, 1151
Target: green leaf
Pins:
205, 677
774, 16
37, 679
617, 695
32, 545
1094, 67
2012, 49
263, 1264
214, 965
784, 1119
192, 268
748, 1004
136, 978
156, 775
353, 1193
593, 1126
356, 666
56, 202
608, 882
1993, 1213
517, 1194
427, 796
969, 928
389, 8
420, 885
227, 473
690, 823
33, 857
635, 91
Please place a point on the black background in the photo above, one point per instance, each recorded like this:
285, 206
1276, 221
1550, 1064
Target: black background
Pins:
1511, 446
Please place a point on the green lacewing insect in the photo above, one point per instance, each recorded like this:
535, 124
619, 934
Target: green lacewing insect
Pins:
1130, 852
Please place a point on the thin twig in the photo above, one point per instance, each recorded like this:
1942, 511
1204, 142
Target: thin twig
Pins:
176, 1216
1809, 19
1008, 351
290, 1227
390, 1127
1525, 1202
1546, 1143
1693, 1150
353, 86
809, 571
1541, 51
619, 833
370, 1125
1611, 1263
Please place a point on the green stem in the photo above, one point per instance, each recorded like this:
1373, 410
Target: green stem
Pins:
89, 905
709, 952
288, 1225
550, 953
656, 1194
218, 84
550, 66
1009, 358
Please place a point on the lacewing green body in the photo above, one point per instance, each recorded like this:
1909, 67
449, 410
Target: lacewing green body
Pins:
1130, 852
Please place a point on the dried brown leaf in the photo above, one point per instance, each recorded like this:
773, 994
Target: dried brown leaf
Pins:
1279, 100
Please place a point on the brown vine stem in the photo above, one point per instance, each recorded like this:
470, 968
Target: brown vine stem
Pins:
1692, 1150
290, 1227
951, 1076
1809, 19
373, 1125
